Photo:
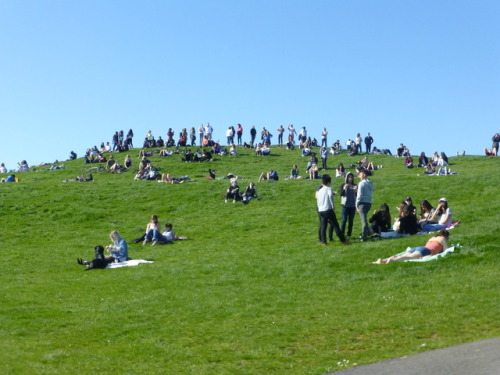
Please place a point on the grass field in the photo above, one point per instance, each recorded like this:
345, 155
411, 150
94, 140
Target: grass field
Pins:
251, 291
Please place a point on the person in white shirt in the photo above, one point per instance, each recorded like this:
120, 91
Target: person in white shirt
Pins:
325, 205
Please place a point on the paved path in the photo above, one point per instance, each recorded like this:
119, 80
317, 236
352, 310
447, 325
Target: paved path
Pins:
476, 358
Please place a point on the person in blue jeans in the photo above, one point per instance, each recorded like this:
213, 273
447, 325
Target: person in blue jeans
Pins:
326, 213
348, 193
364, 202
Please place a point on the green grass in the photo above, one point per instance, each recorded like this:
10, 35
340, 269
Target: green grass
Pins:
251, 291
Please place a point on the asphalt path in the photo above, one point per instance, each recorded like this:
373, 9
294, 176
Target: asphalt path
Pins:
476, 358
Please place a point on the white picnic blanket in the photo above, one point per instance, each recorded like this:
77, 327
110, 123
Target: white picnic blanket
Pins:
128, 263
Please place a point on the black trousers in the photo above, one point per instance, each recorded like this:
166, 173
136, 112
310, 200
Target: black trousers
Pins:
325, 218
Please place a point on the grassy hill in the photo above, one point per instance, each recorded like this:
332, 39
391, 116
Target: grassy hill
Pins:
251, 291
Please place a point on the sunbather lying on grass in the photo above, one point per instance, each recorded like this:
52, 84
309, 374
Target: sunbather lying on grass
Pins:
435, 245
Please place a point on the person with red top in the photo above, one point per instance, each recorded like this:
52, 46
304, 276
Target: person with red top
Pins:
435, 245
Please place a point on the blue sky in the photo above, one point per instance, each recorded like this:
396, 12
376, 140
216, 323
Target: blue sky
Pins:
425, 73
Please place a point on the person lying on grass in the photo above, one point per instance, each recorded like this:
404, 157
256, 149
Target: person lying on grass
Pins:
173, 180
435, 245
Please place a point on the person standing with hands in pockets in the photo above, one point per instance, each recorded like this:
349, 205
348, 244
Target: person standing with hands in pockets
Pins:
325, 205
364, 202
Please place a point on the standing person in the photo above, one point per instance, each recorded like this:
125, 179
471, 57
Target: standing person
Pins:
368, 143
201, 133
324, 135
325, 205
291, 132
348, 192
239, 133
208, 131
130, 138
358, 143
496, 141
280, 131
303, 134
115, 141
324, 157
229, 136
253, 134
364, 202
192, 135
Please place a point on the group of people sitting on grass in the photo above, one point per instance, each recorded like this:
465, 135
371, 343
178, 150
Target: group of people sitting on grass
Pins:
407, 222
233, 192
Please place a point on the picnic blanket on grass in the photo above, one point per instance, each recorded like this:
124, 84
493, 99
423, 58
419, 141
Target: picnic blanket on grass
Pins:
128, 263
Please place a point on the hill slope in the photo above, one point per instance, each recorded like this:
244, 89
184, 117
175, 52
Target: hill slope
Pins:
251, 291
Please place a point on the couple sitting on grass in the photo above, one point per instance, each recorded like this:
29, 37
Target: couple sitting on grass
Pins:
153, 234
233, 192
435, 245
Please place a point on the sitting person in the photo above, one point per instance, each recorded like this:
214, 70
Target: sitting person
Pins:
306, 151
435, 245
443, 160
365, 165
118, 249
423, 161
408, 162
340, 172
431, 169
249, 193
312, 160
72, 155
294, 172
381, 220
23, 166
258, 149
168, 235
313, 172
233, 151
152, 224
233, 191
406, 222
445, 217
167, 178
127, 163
490, 152
426, 212
271, 175
211, 174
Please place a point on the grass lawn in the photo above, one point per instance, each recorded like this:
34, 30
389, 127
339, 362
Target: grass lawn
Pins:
251, 291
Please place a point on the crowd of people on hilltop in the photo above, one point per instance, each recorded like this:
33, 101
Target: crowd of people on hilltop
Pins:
355, 198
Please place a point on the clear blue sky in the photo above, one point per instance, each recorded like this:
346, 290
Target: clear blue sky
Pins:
422, 72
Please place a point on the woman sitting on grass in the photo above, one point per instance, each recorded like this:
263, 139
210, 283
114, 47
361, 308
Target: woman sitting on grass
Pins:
426, 212
153, 224
249, 193
445, 217
118, 249
381, 220
435, 245
340, 171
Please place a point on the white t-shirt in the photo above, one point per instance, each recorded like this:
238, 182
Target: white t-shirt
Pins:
324, 199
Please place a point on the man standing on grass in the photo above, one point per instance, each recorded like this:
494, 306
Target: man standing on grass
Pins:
364, 202
324, 200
